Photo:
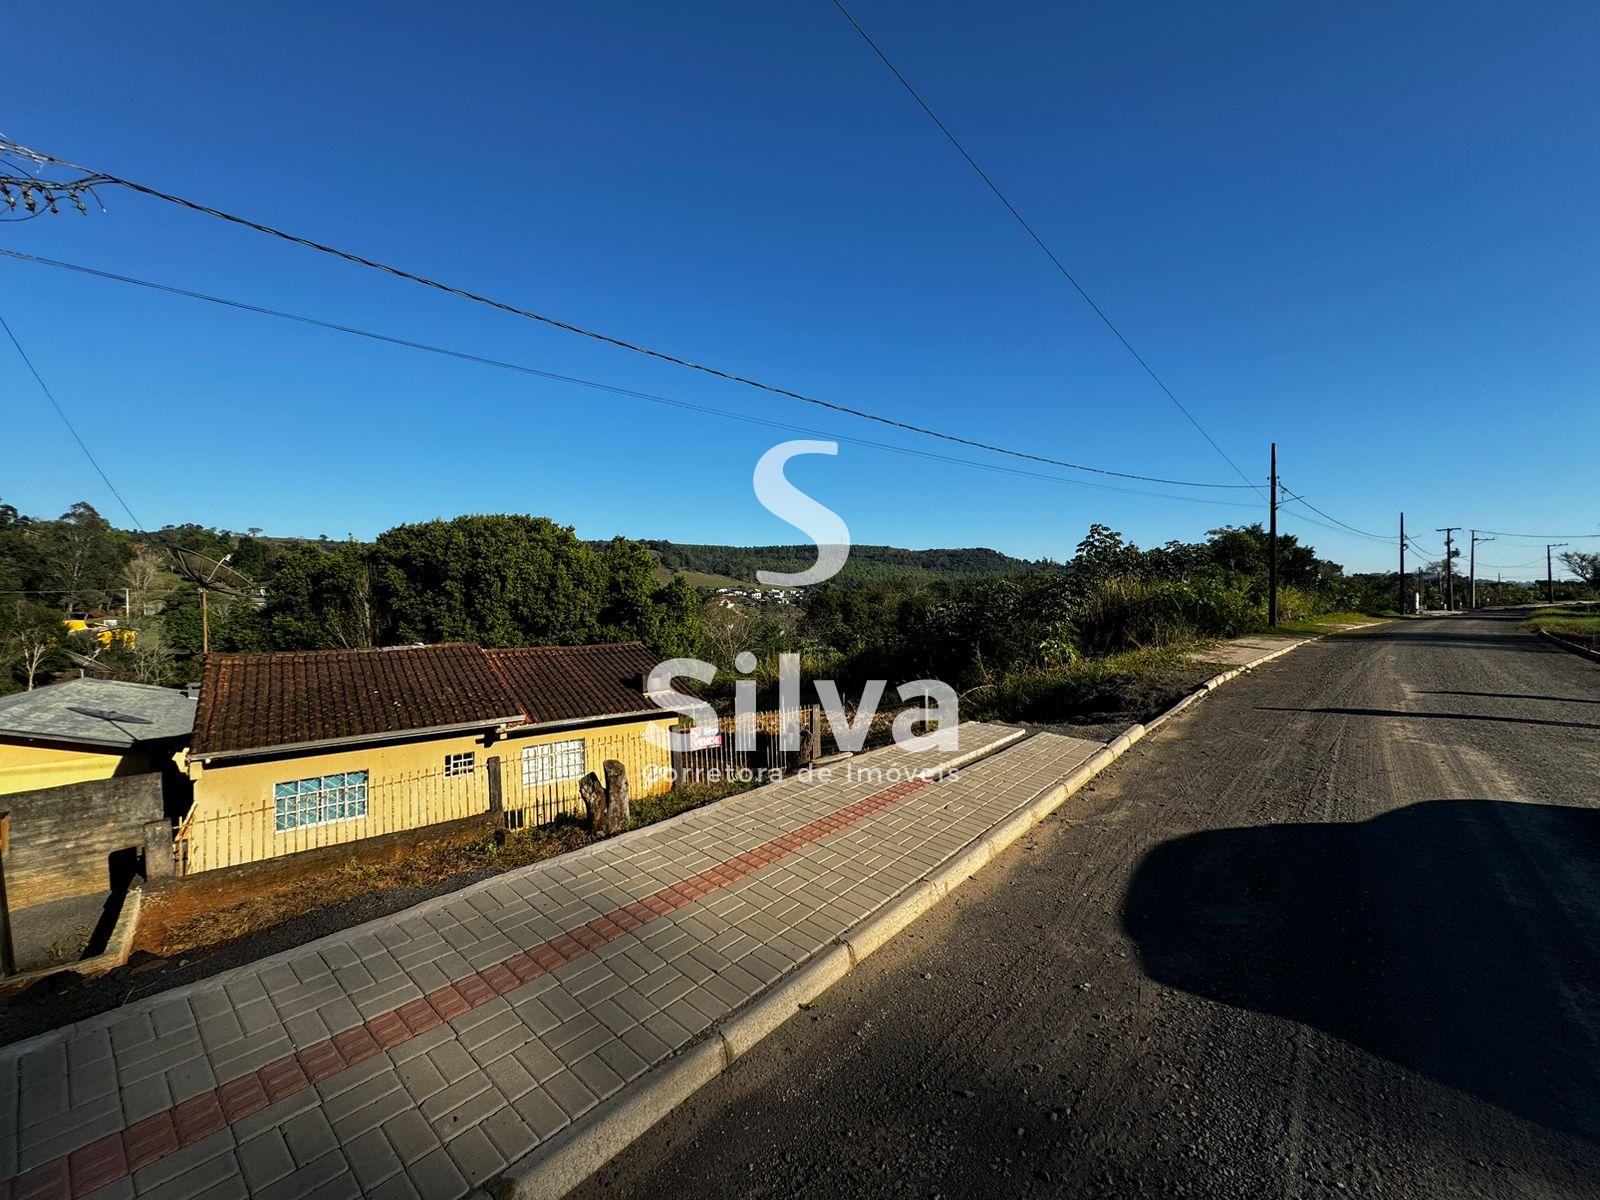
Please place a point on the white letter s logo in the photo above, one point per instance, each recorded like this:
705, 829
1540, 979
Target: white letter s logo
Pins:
817, 521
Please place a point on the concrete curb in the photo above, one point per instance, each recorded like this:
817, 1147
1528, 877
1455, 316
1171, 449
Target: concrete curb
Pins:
1581, 651
1216, 681
554, 1169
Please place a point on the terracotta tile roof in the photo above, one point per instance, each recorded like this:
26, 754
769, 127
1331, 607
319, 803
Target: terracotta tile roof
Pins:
566, 683
265, 701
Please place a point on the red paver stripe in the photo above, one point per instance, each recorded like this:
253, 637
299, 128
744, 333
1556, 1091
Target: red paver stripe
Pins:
198, 1117
320, 1060
150, 1139
243, 1096
47, 1181
100, 1163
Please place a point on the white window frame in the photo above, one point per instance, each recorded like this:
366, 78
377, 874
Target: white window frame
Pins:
554, 762
463, 763
319, 800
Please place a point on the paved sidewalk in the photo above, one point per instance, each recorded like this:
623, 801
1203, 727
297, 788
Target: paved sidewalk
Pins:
418, 1055
1246, 651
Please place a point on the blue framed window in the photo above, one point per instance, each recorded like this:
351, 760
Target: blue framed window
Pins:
319, 801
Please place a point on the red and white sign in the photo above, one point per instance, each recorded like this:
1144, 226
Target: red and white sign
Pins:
701, 739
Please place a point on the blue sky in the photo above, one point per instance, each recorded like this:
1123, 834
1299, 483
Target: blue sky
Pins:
1366, 232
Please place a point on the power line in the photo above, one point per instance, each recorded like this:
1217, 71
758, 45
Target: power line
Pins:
1377, 537
521, 368
172, 547
1537, 536
67, 421
1040, 242
97, 178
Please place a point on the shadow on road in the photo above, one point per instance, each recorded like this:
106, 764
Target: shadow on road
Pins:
1401, 714
1517, 696
1457, 938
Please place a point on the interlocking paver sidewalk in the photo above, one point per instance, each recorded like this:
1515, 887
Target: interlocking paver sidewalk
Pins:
418, 1055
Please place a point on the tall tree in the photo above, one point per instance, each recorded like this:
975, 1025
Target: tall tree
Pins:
504, 580
1584, 565
84, 556
322, 599
32, 642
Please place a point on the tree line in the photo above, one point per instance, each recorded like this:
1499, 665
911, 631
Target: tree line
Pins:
970, 617
501, 580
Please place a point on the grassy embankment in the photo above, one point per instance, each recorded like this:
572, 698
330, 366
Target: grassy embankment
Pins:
1574, 623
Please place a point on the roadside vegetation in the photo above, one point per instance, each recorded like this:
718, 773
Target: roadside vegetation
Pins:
1019, 640
1575, 623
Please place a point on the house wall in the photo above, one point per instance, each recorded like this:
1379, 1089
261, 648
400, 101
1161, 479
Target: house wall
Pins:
234, 816
28, 766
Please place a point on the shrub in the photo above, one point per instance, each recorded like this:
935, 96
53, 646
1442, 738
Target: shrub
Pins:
1122, 613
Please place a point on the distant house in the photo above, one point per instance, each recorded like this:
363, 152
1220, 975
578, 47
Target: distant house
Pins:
102, 629
301, 750
87, 729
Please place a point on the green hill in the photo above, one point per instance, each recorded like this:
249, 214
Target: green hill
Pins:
736, 566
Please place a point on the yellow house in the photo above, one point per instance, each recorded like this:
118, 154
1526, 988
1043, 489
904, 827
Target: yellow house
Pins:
86, 729
297, 751
104, 633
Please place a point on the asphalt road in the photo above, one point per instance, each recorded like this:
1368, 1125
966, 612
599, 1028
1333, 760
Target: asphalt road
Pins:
1334, 930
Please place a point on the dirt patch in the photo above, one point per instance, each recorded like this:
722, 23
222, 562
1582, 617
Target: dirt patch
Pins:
204, 912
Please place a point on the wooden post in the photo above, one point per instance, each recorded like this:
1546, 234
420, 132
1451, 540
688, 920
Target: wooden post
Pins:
497, 803
619, 809
812, 749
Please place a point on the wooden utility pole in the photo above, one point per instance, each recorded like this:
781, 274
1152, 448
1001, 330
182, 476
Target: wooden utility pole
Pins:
1402, 578
1449, 573
1472, 569
205, 616
1550, 571
1272, 561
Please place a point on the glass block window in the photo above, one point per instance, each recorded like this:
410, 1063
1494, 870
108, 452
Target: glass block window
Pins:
461, 764
552, 762
319, 801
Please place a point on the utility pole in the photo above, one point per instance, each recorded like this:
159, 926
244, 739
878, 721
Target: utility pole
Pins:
205, 617
1272, 561
1402, 609
1472, 568
1549, 572
1449, 574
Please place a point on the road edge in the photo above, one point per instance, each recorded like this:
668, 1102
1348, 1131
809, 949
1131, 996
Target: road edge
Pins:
1581, 651
583, 1148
